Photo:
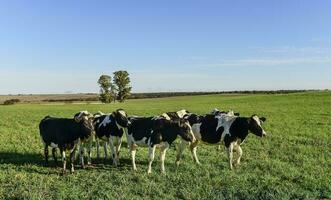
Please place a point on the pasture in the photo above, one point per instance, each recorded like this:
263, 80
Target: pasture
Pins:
292, 162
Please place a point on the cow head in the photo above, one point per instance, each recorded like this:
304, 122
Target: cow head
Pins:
86, 119
255, 125
185, 130
121, 118
193, 118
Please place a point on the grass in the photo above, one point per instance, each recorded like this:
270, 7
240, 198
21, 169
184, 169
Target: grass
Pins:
293, 162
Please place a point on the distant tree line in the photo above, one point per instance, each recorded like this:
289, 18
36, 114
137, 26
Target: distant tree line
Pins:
116, 88
173, 94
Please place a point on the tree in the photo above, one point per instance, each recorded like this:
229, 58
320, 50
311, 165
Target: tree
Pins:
122, 85
106, 87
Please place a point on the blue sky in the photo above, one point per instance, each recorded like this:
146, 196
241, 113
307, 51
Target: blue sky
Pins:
64, 46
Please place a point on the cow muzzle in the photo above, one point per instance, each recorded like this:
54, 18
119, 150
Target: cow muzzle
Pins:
264, 134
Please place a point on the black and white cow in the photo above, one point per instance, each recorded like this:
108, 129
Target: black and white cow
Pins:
153, 132
110, 128
65, 134
233, 130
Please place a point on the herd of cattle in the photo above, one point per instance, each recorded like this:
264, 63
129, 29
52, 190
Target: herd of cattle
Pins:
152, 132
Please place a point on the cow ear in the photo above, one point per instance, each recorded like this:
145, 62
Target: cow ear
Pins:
237, 114
263, 119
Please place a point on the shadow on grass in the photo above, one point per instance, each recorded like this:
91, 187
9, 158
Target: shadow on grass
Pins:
26, 159
21, 158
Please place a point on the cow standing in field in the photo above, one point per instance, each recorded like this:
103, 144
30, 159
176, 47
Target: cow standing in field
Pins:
156, 132
65, 134
110, 128
233, 130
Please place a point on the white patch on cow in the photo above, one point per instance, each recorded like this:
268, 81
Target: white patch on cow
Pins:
214, 111
141, 142
191, 131
196, 131
54, 145
166, 116
181, 113
225, 120
82, 113
257, 119
105, 121
122, 112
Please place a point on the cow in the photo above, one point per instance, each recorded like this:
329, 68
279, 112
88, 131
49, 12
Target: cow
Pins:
156, 132
65, 134
232, 130
110, 128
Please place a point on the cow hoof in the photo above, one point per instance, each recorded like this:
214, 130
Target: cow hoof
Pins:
83, 167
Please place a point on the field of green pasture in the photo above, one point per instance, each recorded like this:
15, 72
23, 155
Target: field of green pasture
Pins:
292, 162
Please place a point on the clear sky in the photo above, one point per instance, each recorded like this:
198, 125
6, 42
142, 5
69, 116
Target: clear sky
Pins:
173, 45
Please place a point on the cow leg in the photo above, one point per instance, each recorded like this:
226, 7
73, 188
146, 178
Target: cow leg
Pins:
72, 159
63, 153
112, 143
151, 154
230, 154
240, 153
81, 155
98, 147
118, 148
89, 158
54, 155
180, 148
133, 150
193, 149
46, 154
164, 149
105, 147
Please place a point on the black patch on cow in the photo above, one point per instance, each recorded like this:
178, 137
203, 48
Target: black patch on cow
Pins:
208, 130
159, 130
141, 127
110, 129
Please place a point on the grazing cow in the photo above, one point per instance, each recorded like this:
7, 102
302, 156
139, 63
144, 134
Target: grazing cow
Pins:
156, 132
213, 129
175, 115
65, 134
110, 128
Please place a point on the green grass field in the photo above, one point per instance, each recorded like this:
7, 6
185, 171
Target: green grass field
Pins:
292, 162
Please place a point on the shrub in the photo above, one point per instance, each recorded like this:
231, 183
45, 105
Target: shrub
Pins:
11, 101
